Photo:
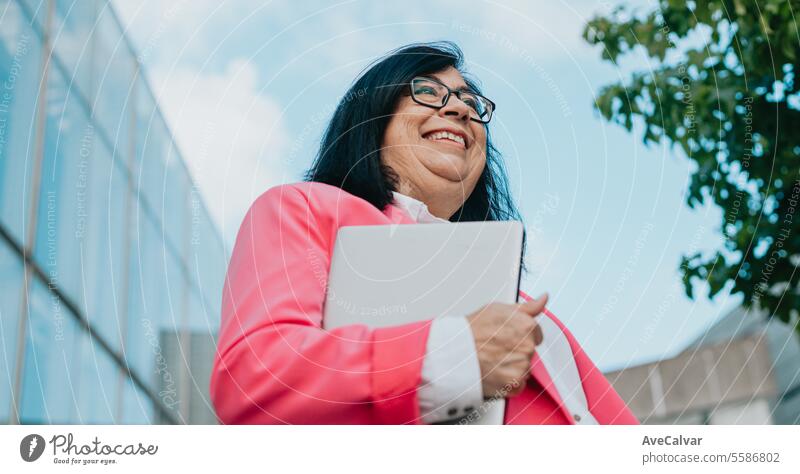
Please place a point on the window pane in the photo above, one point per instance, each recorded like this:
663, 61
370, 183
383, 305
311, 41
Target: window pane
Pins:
147, 301
172, 376
113, 81
152, 148
20, 71
201, 341
176, 203
50, 379
137, 408
207, 263
156, 310
105, 253
99, 384
64, 192
34, 9
73, 22
176, 286
10, 287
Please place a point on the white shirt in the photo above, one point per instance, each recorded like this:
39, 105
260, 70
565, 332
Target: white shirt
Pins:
451, 375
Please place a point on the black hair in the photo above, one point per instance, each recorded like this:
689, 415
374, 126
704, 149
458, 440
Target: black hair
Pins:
349, 153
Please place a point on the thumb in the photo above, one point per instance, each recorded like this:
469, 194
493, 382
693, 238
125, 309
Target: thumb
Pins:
534, 306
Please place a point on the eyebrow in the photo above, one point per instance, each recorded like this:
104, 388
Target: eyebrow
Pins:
464, 88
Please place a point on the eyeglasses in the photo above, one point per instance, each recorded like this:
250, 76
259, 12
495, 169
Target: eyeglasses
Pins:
432, 93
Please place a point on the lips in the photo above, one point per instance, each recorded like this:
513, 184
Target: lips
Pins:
447, 136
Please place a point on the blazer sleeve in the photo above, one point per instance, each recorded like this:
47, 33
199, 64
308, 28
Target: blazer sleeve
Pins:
274, 362
606, 405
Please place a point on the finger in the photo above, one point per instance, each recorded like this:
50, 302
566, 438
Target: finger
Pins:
514, 387
522, 353
538, 336
534, 307
528, 341
516, 390
521, 383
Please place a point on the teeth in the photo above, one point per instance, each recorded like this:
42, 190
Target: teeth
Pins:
445, 135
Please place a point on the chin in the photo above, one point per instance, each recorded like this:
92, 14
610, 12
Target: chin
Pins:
448, 176
450, 169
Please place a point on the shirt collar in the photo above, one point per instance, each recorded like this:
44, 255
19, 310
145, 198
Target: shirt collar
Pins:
417, 209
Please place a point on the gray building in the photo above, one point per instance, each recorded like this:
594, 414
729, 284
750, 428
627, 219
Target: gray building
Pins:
110, 266
745, 369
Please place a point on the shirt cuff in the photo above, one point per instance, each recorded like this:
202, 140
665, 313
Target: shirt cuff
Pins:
450, 384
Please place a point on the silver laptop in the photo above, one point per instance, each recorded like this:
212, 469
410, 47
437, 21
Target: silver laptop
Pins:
395, 274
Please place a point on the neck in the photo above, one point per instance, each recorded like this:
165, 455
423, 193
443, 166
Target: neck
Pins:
441, 202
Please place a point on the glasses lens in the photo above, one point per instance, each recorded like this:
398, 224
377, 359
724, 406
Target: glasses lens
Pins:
428, 92
484, 109
480, 107
476, 103
487, 110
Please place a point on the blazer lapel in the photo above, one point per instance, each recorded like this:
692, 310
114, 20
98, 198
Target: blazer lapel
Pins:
540, 374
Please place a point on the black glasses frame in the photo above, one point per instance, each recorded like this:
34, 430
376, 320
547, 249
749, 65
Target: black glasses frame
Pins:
492, 106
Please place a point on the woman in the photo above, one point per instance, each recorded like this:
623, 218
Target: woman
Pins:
414, 148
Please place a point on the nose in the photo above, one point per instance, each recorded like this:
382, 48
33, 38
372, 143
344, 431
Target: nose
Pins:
455, 108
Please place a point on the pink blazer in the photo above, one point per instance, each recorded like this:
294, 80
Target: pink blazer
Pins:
274, 363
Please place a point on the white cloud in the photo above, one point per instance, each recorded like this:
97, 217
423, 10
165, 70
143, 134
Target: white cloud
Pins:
231, 136
166, 32
544, 30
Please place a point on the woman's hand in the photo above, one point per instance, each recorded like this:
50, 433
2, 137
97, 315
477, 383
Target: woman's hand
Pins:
506, 336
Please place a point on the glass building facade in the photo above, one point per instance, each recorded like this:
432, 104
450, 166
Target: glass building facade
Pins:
111, 269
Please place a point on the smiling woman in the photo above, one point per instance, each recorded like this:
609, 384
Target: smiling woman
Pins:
414, 149
371, 140
436, 148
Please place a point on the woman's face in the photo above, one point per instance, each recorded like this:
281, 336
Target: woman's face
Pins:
431, 167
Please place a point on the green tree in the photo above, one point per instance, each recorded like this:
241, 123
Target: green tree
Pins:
720, 86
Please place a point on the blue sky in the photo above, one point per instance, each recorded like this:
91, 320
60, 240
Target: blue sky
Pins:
247, 88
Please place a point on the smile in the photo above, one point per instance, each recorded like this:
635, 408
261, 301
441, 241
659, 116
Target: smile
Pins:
445, 136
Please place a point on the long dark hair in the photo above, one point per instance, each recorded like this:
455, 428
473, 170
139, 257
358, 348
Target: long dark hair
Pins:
349, 152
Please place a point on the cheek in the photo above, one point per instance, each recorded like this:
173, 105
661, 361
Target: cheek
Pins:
480, 136
398, 146
403, 128
391, 135
395, 136
479, 150
479, 156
